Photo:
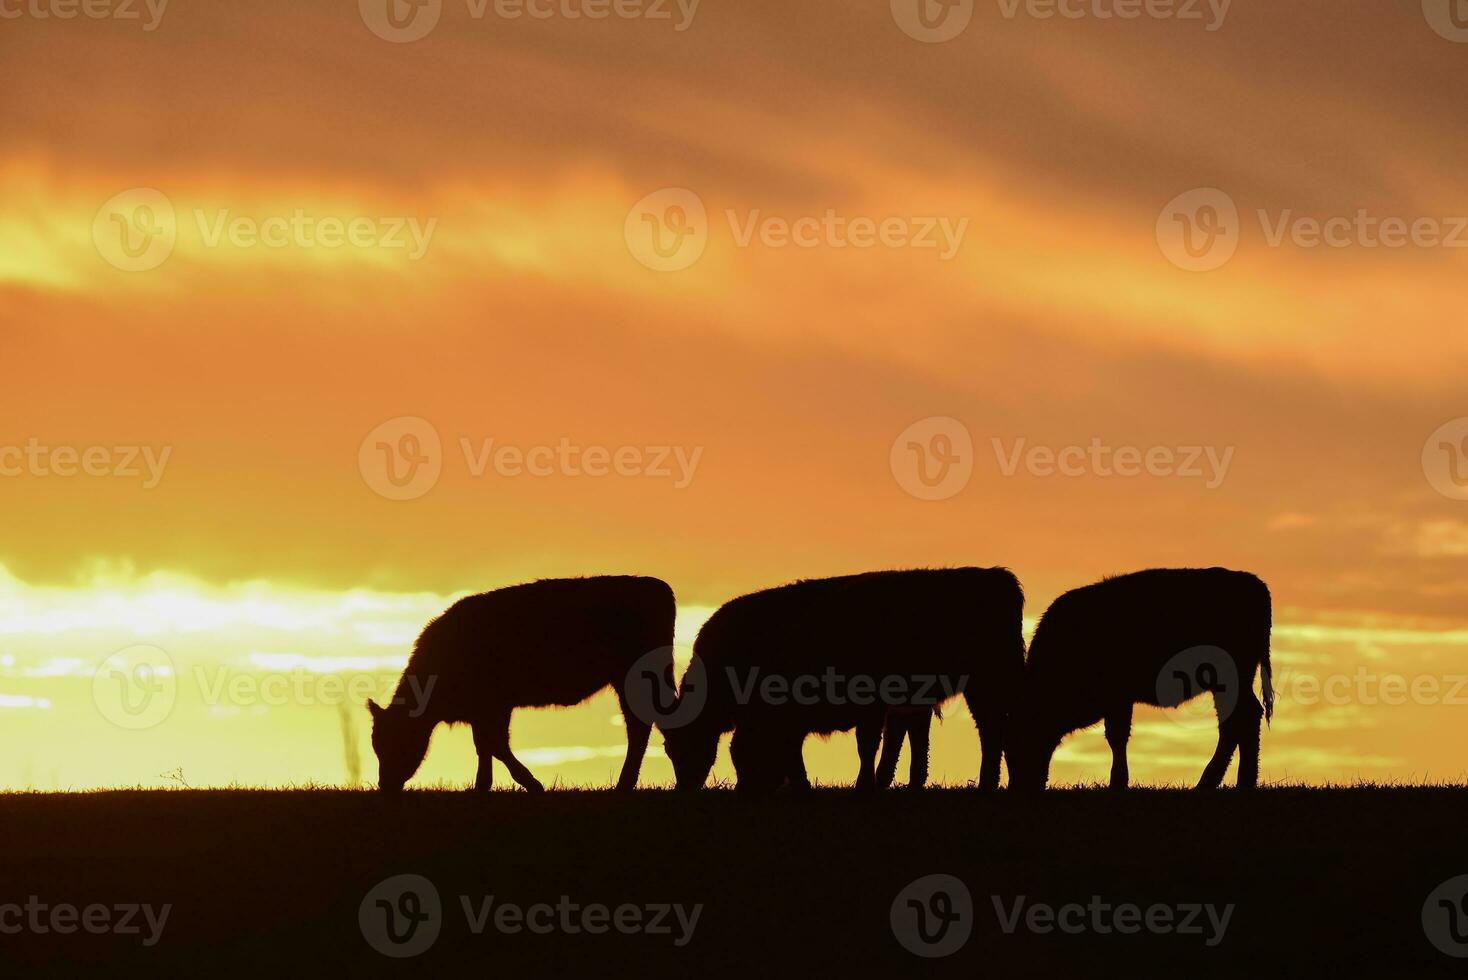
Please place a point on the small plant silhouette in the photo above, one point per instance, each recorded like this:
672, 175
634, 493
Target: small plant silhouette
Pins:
177, 776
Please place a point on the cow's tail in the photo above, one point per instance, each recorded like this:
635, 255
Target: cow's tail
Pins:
1266, 670
1266, 679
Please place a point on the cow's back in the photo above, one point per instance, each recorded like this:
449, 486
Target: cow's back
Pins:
919, 624
1137, 622
546, 642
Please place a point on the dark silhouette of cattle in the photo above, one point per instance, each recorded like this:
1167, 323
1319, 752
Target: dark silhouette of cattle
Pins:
933, 632
551, 642
1159, 637
902, 723
913, 725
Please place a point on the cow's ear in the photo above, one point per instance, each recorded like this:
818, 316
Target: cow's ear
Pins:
374, 709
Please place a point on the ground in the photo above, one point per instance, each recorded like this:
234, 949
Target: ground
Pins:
1332, 881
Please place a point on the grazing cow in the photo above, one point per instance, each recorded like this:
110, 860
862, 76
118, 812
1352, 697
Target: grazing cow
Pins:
1156, 637
827, 655
551, 642
911, 724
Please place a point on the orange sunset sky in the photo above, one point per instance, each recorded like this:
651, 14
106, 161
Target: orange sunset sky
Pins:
533, 155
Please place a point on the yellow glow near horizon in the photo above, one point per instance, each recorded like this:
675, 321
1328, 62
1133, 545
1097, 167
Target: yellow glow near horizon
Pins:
266, 676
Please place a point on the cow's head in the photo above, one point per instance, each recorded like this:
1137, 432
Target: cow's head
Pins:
691, 749
1031, 737
400, 741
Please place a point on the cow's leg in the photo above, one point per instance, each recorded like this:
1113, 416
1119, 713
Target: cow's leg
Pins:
1228, 740
868, 740
794, 753
988, 715
758, 762
484, 775
1249, 714
990, 722
497, 739
1118, 733
892, 734
917, 745
637, 735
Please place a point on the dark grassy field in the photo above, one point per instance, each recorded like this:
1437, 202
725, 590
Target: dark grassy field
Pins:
270, 883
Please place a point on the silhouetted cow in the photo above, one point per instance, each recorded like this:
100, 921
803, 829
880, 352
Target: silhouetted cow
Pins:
1160, 637
846, 651
551, 642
